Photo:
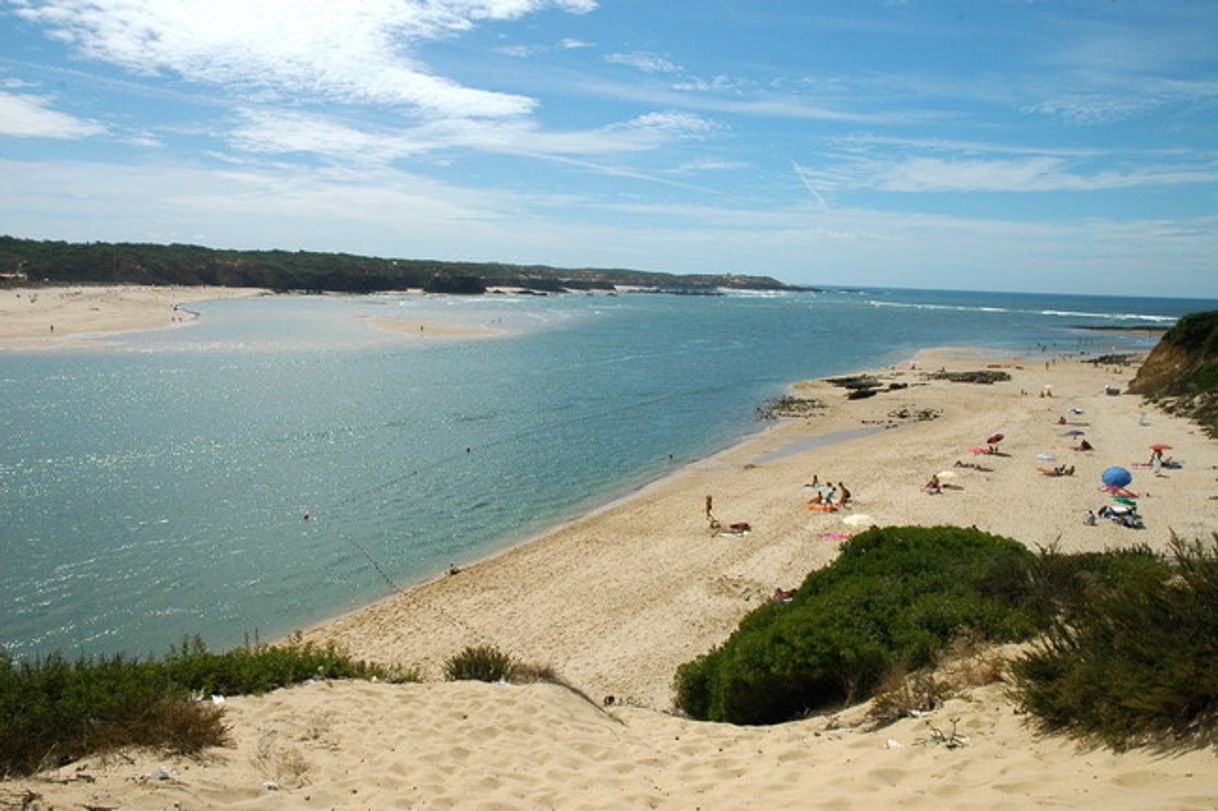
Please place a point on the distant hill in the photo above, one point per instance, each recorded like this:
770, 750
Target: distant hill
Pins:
23, 261
1181, 372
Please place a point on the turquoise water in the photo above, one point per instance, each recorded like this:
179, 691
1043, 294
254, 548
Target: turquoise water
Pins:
156, 488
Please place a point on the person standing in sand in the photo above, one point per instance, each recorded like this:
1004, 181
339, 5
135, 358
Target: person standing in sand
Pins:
710, 517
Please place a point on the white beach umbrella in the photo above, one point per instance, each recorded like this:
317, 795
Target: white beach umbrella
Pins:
947, 474
859, 520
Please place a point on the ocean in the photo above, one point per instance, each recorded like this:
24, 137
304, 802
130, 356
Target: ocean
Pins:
156, 488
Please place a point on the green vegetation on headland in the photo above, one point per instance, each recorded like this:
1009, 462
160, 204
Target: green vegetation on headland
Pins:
1127, 650
31, 261
1181, 372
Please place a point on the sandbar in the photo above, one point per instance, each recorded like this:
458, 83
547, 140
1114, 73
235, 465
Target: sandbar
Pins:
44, 317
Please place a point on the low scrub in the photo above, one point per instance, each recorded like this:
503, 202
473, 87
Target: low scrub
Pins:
481, 663
892, 599
1136, 661
53, 710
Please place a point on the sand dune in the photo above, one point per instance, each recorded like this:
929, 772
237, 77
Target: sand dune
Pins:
481, 746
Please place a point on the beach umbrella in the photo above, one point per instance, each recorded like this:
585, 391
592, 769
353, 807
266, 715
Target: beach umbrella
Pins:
1116, 477
947, 474
859, 520
1046, 457
1073, 432
1160, 446
995, 439
1074, 410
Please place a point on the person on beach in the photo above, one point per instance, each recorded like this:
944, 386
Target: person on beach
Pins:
841, 486
710, 517
934, 485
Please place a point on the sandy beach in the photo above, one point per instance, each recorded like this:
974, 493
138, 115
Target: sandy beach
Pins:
616, 600
77, 315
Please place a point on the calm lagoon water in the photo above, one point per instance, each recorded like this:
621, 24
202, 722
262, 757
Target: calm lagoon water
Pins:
156, 488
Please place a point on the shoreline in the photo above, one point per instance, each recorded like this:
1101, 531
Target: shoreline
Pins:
619, 596
589, 596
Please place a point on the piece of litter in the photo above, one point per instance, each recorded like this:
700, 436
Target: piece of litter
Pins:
161, 773
891, 744
270, 785
217, 699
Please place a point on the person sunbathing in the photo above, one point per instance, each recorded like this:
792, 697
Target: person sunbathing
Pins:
934, 485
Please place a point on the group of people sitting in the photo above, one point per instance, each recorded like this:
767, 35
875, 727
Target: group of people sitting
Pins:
823, 495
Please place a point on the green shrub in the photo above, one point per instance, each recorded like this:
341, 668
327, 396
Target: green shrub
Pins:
482, 663
1137, 660
892, 599
53, 711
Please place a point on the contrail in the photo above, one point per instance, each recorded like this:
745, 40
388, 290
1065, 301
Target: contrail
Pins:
803, 178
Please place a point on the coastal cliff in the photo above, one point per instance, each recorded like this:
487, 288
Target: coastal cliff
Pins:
1181, 372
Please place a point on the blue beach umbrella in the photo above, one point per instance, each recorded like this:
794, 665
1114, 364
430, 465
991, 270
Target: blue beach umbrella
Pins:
1073, 432
1116, 477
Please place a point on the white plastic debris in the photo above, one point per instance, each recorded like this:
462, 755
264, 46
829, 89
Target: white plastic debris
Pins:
893, 744
270, 785
217, 699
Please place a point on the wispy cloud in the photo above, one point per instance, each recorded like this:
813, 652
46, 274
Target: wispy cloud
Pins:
708, 165
27, 116
646, 62
908, 165
278, 131
355, 53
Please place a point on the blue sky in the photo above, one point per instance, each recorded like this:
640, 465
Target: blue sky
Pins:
1050, 146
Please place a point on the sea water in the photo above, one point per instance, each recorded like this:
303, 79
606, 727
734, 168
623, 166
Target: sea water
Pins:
156, 487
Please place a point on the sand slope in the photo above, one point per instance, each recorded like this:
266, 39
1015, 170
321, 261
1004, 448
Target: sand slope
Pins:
479, 746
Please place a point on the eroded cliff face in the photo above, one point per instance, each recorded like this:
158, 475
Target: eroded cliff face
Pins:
1165, 368
1181, 372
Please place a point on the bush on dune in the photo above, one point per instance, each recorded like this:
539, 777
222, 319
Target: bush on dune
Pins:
892, 599
1136, 661
896, 597
53, 710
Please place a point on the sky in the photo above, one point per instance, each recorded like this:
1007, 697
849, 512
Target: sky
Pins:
1025, 145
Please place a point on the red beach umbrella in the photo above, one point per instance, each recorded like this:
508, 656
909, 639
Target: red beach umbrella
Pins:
995, 439
1160, 446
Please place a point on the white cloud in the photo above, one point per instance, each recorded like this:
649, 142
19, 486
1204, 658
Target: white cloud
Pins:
350, 52
570, 43
27, 116
648, 63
